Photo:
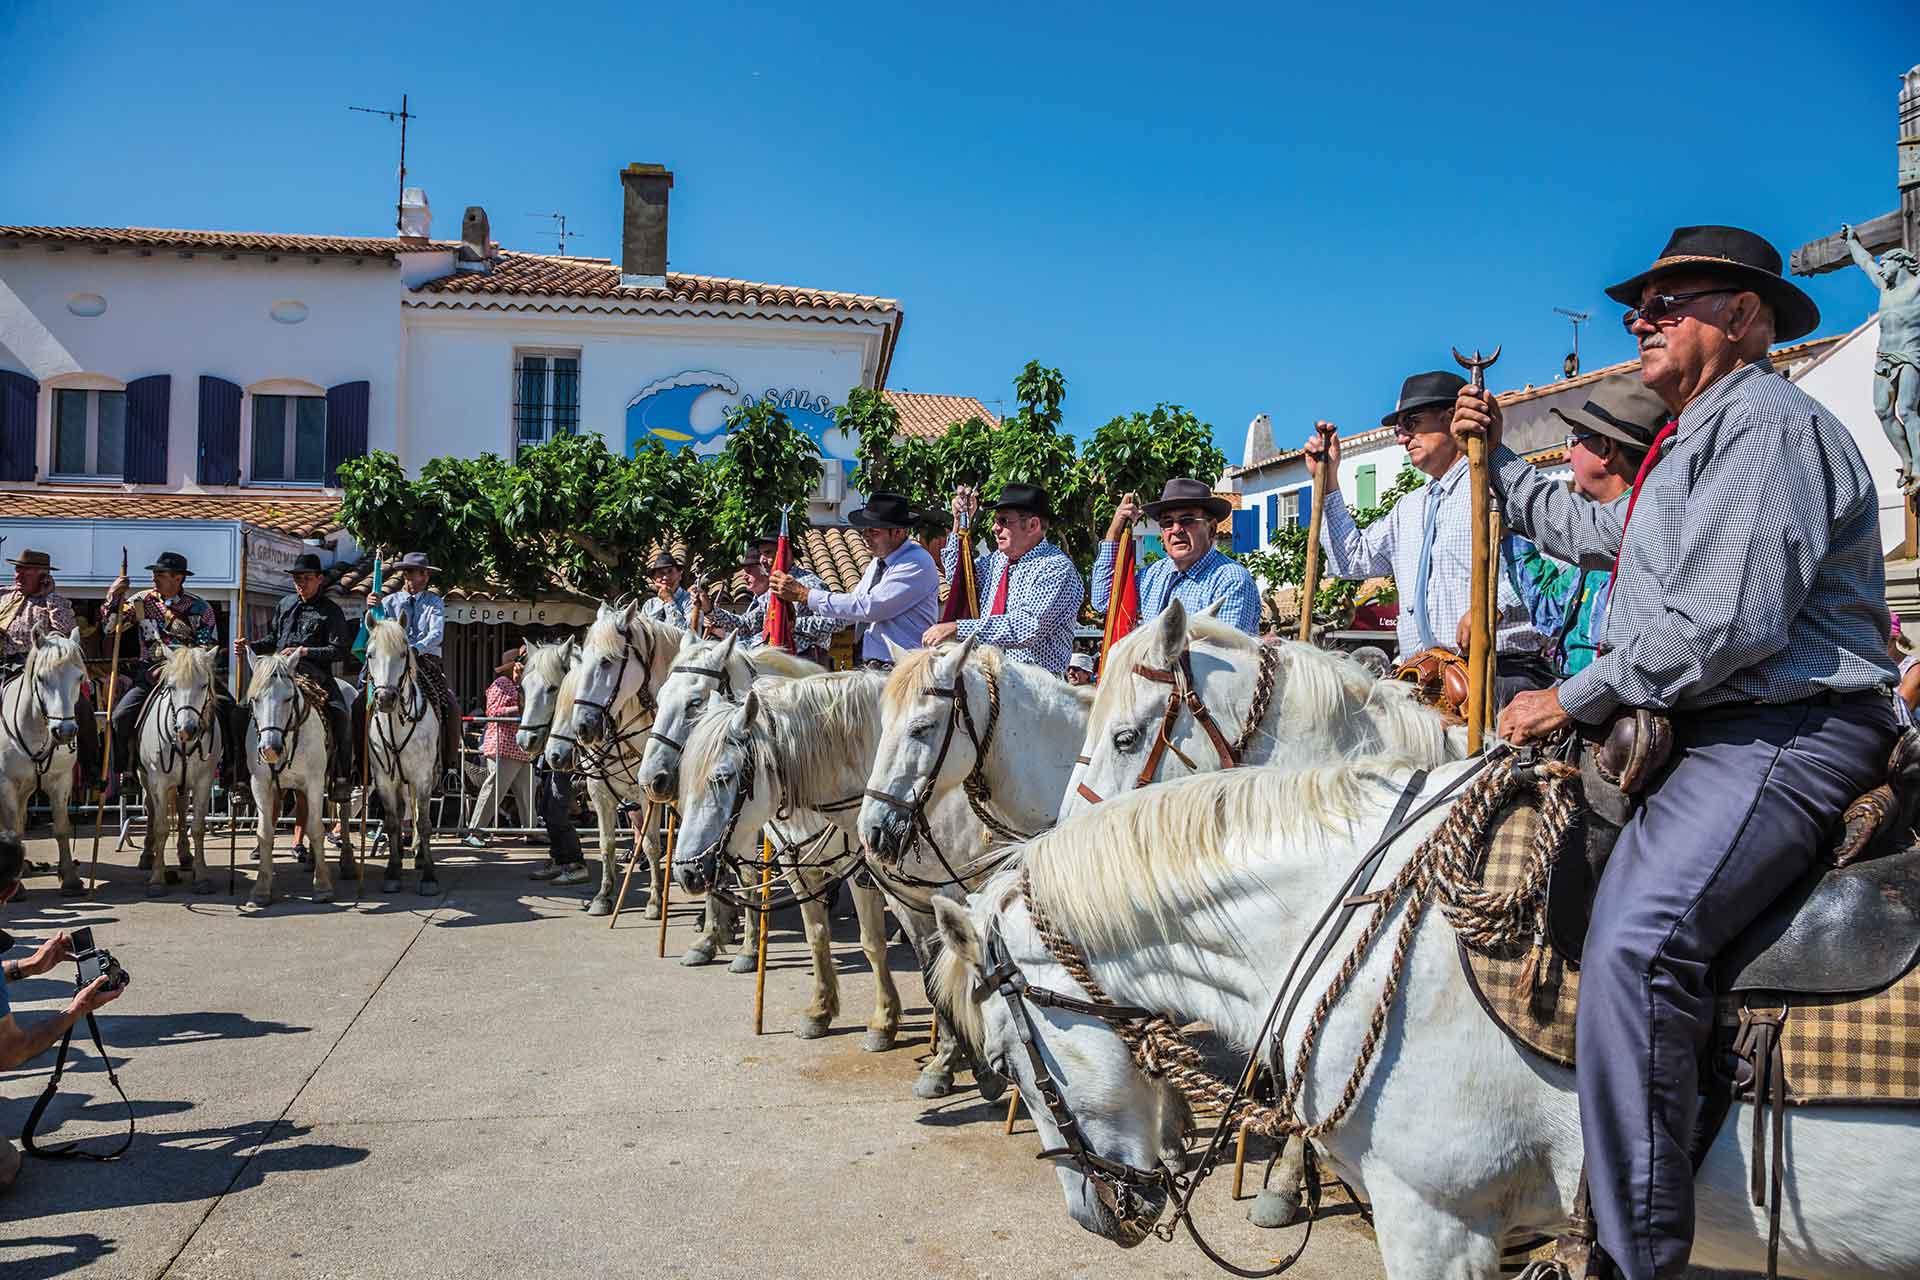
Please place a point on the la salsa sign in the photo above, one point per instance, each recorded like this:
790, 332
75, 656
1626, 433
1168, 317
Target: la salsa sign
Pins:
688, 410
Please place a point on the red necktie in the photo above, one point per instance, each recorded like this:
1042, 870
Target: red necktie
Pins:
1000, 592
1640, 478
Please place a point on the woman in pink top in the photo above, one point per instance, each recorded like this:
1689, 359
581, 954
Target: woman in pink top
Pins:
506, 762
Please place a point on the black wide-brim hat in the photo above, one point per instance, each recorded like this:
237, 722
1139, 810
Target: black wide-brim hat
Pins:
1436, 386
170, 562
662, 560
306, 562
1738, 257
415, 560
886, 511
1183, 492
1030, 498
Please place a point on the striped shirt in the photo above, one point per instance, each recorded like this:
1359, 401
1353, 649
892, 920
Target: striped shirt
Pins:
1755, 572
1044, 597
810, 630
1391, 544
1213, 577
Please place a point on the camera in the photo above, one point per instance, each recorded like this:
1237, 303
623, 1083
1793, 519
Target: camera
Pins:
96, 962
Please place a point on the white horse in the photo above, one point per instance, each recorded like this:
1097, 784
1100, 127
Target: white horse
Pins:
1315, 706
403, 750
963, 717
178, 749
704, 672
1186, 898
806, 746
38, 733
286, 751
602, 713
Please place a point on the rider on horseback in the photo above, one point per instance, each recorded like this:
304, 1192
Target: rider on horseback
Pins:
1751, 608
311, 629
423, 615
32, 602
165, 617
1030, 590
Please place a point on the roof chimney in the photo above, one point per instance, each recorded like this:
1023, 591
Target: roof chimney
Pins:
473, 237
643, 235
416, 219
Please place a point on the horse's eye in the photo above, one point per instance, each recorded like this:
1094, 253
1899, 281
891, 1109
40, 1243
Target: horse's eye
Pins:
1126, 739
694, 701
921, 729
721, 781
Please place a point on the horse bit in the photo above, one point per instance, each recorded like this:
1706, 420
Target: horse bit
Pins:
412, 712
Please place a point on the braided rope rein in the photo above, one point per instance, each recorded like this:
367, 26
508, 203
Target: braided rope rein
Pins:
1262, 700
979, 794
1446, 867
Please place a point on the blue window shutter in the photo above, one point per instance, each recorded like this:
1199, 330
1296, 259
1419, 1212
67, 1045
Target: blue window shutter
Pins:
347, 409
149, 401
1273, 516
1246, 530
219, 431
19, 395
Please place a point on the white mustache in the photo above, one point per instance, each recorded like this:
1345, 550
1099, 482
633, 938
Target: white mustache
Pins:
1653, 341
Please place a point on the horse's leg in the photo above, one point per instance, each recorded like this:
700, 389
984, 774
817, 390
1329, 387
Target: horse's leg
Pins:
819, 1015
884, 1026
60, 795
1419, 1241
266, 803
202, 802
653, 850
393, 826
316, 793
1279, 1201
606, 822
428, 882
159, 825
182, 848
936, 1078
747, 958
720, 918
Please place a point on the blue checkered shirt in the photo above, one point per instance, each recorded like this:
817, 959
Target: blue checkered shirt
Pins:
1043, 603
1755, 572
1213, 577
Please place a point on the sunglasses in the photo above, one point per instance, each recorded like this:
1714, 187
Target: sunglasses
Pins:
1185, 522
1662, 305
1580, 437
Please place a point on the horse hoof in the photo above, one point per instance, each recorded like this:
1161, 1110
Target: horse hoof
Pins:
156, 890
173, 877
876, 1042
600, 907
933, 1084
390, 885
745, 962
257, 904
698, 954
1274, 1209
72, 889
428, 888
652, 912
323, 895
991, 1085
203, 886
811, 1028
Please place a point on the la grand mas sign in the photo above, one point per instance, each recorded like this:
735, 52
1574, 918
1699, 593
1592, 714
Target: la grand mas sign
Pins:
689, 410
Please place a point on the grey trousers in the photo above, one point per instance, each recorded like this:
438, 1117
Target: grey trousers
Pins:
1741, 814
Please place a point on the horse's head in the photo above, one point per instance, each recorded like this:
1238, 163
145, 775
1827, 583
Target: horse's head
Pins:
56, 668
274, 699
1125, 1120
923, 749
704, 673
546, 666
725, 797
389, 663
189, 673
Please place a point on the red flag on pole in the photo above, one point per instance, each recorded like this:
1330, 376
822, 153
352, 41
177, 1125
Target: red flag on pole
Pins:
779, 626
1123, 605
963, 594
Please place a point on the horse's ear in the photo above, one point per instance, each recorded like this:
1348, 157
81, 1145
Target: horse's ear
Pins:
749, 709
570, 651
1173, 628
895, 652
1213, 610
74, 635
687, 641
630, 616
966, 651
39, 634
726, 649
957, 933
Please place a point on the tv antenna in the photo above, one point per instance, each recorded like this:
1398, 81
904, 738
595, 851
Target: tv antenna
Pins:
402, 116
560, 221
1571, 365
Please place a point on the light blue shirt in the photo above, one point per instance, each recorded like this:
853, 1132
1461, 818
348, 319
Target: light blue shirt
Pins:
897, 603
423, 616
1044, 594
1213, 577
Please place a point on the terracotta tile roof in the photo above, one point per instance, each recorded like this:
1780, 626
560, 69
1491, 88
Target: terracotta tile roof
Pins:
294, 517
929, 415
547, 275
228, 241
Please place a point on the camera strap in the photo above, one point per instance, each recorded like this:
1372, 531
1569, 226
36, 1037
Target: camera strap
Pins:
71, 1150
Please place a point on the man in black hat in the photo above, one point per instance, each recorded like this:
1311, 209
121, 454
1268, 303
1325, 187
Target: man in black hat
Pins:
1030, 590
1749, 605
812, 633
898, 597
418, 608
670, 602
1193, 569
164, 617
1426, 541
310, 628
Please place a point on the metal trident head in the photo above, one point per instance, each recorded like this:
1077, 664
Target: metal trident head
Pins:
1476, 365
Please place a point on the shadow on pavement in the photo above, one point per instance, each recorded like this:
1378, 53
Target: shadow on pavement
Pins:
75, 1251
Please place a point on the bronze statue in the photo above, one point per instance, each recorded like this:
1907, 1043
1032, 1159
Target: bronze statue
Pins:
1896, 368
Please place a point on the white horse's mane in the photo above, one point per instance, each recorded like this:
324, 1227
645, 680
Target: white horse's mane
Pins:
387, 638
1125, 871
187, 664
914, 672
273, 667
549, 661
816, 731
769, 661
55, 649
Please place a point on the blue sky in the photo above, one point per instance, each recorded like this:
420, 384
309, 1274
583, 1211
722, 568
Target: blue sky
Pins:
1239, 209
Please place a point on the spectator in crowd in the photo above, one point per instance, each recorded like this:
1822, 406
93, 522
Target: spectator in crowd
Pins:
506, 762
1080, 669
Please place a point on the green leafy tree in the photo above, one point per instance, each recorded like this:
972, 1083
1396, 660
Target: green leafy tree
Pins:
766, 467
1140, 452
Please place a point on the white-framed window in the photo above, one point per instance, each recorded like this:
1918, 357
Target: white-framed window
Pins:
546, 395
1290, 509
89, 434
289, 440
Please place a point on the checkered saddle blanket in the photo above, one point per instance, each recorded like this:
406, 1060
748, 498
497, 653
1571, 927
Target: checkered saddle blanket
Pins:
316, 697
1854, 1048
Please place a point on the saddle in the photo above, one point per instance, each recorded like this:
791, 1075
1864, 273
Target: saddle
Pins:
1439, 679
315, 695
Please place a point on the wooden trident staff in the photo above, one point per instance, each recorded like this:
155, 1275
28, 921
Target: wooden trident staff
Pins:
1310, 587
106, 749
1480, 633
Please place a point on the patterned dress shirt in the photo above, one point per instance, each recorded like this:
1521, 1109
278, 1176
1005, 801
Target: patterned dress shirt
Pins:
19, 614
810, 630
424, 616
165, 625
500, 741
1044, 597
1392, 545
676, 612
1213, 577
1753, 570
898, 602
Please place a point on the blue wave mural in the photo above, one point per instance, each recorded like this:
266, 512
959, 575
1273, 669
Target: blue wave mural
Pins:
664, 410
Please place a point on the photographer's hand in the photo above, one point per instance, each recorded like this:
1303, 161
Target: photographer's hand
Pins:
49, 953
92, 996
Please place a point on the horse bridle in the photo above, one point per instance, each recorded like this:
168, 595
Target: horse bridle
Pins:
1182, 690
749, 770
183, 748
41, 760
411, 712
289, 732
721, 679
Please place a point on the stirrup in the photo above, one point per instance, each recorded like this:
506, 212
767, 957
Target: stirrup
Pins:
1576, 1251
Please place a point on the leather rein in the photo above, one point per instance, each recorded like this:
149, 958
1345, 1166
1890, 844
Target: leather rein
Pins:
1183, 690
42, 759
412, 711
599, 761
